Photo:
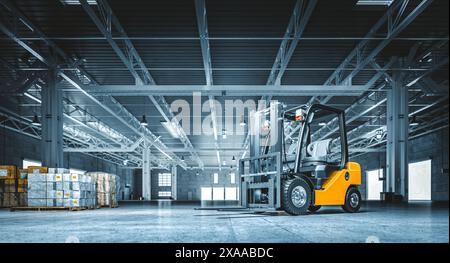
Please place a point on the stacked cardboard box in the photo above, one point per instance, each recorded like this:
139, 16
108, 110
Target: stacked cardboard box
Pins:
13, 189
8, 172
38, 169
108, 186
59, 188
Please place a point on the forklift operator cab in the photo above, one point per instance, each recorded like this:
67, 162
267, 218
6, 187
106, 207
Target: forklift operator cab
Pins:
320, 176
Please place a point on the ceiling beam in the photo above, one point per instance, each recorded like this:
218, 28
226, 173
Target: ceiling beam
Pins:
202, 25
358, 133
360, 56
13, 122
80, 79
359, 60
361, 107
425, 128
101, 130
225, 38
226, 90
297, 24
130, 57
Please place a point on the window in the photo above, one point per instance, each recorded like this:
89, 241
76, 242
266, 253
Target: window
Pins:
206, 193
216, 178
218, 193
28, 162
374, 184
232, 178
419, 181
164, 179
164, 194
231, 193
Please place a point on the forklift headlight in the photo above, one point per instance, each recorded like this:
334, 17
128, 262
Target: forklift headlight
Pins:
300, 115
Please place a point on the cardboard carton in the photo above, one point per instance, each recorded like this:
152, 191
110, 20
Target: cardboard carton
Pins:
32, 177
37, 170
74, 177
75, 186
37, 186
37, 194
62, 171
37, 202
23, 173
54, 194
55, 202
8, 172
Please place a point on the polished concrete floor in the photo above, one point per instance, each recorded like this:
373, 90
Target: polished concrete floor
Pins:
166, 222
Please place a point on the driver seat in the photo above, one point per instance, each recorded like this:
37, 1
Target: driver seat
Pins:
318, 153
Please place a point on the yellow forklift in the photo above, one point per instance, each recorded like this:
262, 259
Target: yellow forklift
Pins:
298, 174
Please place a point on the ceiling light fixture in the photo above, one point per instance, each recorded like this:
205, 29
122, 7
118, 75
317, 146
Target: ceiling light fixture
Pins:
144, 121
414, 121
36, 121
374, 2
77, 2
32, 97
379, 134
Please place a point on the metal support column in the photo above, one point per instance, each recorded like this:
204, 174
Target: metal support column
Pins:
397, 138
174, 182
52, 122
146, 172
254, 129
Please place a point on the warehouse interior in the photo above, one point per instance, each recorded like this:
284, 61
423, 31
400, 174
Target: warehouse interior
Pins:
160, 95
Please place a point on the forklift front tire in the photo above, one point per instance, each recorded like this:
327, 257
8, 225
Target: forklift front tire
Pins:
296, 196
352, 200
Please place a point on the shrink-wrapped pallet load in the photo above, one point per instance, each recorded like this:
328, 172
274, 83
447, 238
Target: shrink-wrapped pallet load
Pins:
69, 190
107, 187
12, 187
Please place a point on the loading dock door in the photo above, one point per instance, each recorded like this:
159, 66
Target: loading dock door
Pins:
419, 181
374, 184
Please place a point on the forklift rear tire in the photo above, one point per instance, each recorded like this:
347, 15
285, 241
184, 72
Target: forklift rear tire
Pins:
296, 196
352, 200
314, 208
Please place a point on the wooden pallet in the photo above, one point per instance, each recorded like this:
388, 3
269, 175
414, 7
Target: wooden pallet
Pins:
54, 208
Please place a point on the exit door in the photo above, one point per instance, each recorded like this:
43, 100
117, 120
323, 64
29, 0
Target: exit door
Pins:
374, 184
419, 181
